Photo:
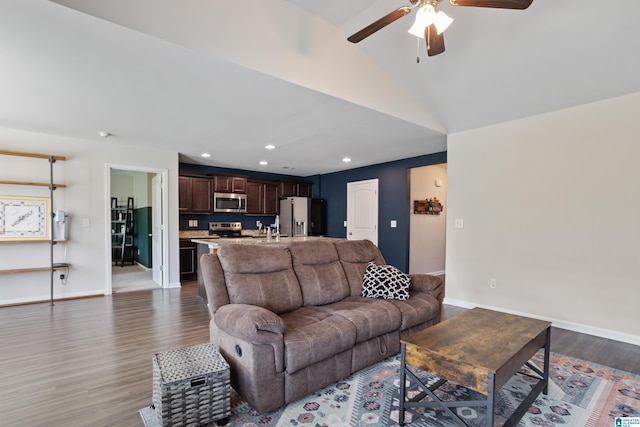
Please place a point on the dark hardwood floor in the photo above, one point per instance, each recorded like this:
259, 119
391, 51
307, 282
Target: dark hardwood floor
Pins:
87, 362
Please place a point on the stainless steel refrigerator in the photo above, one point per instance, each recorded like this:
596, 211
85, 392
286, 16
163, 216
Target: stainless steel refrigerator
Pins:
295, 214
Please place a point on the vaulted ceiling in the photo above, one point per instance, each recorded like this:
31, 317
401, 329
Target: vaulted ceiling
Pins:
229, 77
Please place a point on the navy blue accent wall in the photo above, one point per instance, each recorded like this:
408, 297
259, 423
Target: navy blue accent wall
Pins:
393, 202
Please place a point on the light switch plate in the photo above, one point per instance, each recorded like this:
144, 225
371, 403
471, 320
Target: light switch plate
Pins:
394, 223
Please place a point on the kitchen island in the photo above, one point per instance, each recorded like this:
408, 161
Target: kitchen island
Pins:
216, 243
211, 245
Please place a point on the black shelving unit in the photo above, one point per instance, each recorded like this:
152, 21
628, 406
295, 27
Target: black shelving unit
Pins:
122, 243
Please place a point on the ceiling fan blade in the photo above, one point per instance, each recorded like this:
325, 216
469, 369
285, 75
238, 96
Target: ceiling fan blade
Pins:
499, 4
435, 41
379, 24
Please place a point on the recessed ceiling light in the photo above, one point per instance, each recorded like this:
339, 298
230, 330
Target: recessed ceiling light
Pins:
270, 147
263, 162
104, 134
346, 159
205, 155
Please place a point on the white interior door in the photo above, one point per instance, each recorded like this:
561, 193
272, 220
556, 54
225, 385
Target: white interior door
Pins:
362, 210
157, 228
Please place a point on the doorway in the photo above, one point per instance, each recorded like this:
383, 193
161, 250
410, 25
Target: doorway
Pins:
362, 210
138, 195
427, 235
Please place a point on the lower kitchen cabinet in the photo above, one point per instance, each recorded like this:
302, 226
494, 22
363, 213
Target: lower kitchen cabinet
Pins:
188, 259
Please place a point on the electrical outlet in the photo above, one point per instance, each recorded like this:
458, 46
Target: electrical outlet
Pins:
492, 283
458, 223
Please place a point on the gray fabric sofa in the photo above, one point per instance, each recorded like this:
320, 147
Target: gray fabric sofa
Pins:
290, 319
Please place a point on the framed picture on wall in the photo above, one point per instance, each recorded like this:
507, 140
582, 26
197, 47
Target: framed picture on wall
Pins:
24, 218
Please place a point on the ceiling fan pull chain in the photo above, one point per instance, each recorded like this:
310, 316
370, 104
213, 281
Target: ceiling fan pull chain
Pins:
417, 50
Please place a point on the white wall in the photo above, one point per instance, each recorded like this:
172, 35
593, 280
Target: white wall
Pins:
428, 232
127, 183
85, 198
551, 209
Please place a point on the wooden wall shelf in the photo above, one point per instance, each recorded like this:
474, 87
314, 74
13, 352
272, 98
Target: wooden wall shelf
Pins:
22, 242
34, 155
37, 184
427, 207
34, 269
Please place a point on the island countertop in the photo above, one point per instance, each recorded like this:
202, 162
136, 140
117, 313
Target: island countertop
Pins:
217, 243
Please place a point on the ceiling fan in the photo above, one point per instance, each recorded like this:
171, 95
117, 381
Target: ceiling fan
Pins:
430, 23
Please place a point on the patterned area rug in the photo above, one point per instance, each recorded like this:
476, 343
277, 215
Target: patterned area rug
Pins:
580, 394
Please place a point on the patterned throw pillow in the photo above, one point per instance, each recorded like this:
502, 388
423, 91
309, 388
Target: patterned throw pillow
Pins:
385, 281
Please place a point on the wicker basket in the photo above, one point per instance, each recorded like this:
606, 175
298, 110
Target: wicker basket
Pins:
191, 386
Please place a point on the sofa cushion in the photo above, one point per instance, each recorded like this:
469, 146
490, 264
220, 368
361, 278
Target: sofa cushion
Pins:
371, 318
319, 272
385, 281
418, 309
260, 275
354, 256
312, 336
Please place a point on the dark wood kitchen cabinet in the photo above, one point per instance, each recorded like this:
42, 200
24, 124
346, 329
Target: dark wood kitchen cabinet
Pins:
255, 197
295, 189
305, 189
188, 259
194, 195
229, 184
262, 198
271, 199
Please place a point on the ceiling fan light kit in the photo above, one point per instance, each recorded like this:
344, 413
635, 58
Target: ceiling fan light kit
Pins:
427, 15
430, 23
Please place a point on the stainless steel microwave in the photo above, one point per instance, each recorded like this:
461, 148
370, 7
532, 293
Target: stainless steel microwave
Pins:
230, 202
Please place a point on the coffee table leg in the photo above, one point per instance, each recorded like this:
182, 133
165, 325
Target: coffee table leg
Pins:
547, 352
403, 380
491, 382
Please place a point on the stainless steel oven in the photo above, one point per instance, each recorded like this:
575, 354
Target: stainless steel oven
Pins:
230, 202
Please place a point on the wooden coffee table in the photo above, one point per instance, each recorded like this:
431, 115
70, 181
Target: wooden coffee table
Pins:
479, 349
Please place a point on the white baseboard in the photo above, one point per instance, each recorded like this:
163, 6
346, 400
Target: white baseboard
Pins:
47, 298
174, 285
563, 324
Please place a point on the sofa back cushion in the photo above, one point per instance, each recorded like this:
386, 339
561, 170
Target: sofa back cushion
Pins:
354, 256
213, 279
260, 275
319, 272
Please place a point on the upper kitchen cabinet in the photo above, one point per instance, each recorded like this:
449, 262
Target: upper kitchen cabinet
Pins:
295, 189
255, 197
229, 184
262, 198
271, 199
194, 195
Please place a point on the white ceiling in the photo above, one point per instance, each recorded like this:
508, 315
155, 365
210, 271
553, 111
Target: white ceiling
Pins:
228, 77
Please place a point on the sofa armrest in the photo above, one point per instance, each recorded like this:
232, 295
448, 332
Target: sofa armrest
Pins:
250, 323
427, 284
